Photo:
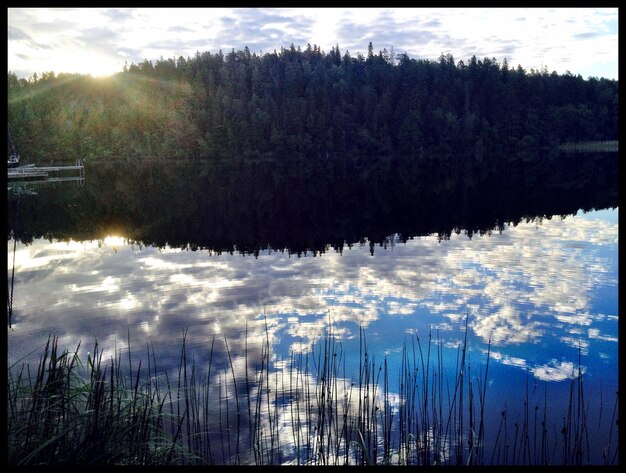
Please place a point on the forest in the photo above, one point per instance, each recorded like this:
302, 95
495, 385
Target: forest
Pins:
306, 104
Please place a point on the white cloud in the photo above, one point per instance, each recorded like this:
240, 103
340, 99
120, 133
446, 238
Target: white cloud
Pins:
97, 40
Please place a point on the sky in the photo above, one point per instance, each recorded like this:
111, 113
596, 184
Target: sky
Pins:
99, 41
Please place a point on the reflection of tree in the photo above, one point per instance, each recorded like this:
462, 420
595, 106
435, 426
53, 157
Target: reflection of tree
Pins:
302, 206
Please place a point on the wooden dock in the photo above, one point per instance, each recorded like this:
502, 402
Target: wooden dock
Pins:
35, 172
26, 173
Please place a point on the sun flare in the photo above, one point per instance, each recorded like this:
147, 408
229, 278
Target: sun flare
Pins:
114, 241
93, 64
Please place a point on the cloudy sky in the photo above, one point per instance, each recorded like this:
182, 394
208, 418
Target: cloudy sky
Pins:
98, 41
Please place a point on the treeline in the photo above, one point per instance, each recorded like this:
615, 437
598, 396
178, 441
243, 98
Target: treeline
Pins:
310, 104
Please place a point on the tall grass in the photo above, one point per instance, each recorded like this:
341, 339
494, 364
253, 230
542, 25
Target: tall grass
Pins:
306, 412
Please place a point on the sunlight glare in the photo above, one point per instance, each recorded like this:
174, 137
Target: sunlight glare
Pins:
114, 241
95, 65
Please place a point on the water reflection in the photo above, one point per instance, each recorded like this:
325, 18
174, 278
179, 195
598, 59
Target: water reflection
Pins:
534, 290
145, 262
544, 293
311, 207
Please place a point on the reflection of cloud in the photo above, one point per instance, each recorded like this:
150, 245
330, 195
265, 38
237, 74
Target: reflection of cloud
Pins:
395, 307
508, 360
505, 325
595, 334
574, 319
362, 316
109, 284
557, 371
444, 326
579, 342
552, 371
526, 285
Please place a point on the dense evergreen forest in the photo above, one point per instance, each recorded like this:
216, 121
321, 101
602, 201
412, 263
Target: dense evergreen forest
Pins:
306, 104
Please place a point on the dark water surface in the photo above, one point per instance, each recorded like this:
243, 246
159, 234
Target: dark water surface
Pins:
268, 252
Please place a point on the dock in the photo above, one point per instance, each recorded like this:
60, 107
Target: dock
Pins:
43, 172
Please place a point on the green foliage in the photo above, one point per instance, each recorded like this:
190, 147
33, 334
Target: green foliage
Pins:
125, 117
305, 103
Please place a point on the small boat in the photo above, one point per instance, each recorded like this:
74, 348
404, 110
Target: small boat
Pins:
13, 161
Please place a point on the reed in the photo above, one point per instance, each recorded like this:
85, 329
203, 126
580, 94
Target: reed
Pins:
308, 411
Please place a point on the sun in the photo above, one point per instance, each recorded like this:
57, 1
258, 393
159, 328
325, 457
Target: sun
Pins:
95, 65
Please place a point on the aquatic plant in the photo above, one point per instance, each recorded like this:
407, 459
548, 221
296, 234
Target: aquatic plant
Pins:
304, 411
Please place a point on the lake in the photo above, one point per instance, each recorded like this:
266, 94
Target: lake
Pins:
506, 268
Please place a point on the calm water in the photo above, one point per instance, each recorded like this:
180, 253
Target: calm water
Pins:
543, 290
